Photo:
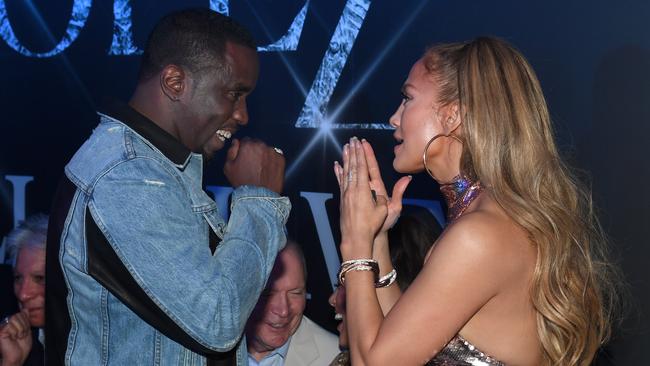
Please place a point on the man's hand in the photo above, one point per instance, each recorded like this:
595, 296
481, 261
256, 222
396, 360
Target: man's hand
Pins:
252, 162
15, 340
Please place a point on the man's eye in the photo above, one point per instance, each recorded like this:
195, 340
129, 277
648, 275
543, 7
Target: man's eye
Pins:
236, 95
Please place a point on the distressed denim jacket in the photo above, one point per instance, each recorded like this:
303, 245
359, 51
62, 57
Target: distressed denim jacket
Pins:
156, 220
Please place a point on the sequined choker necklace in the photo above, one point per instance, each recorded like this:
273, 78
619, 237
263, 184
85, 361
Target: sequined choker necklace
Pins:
459, 194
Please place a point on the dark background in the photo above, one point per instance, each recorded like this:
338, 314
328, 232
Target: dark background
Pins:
592, 57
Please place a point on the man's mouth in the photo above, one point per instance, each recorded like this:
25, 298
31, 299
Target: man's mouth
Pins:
277, 325
223, 135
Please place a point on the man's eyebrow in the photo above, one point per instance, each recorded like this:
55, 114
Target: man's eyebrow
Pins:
241, 87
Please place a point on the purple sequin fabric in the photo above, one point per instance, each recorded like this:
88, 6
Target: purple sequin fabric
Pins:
459, 194
459, 352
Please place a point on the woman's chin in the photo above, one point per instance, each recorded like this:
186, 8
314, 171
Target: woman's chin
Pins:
397, 166
402, 168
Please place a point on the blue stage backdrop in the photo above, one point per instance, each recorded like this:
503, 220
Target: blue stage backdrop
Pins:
331, 69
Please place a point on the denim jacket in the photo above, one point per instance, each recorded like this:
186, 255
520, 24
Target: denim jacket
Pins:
155, 220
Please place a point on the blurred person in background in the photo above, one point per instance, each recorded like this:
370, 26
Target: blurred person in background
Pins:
21, 334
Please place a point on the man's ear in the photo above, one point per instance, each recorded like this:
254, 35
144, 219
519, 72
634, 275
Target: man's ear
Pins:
173, 82
451, 118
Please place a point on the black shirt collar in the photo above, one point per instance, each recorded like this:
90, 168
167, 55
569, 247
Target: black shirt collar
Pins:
161, 139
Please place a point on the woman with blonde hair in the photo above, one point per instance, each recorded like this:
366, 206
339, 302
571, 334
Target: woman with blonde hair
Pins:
519, 276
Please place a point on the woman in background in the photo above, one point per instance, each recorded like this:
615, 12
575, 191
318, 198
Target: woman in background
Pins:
519, 275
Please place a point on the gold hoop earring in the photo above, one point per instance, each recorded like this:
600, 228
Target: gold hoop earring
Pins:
426, 148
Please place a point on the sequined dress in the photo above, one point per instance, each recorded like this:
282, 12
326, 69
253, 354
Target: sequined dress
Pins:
459, 352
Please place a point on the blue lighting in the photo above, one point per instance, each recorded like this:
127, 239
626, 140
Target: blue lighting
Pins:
285, 61
323, 135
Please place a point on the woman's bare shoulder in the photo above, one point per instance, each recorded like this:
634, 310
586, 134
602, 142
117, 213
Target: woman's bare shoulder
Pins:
489, 238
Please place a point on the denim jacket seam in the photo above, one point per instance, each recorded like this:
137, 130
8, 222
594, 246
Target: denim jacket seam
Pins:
204, 207
76, 181
128, 144
70, 344
271, 200
105, 325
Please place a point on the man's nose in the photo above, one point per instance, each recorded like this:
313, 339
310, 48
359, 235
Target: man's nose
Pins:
26, 290
280, 305
241, 113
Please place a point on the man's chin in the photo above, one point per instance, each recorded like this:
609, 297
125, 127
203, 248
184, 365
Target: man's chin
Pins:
210, 151
268, 344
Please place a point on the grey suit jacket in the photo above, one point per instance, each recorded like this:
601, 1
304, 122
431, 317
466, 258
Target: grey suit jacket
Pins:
311, 345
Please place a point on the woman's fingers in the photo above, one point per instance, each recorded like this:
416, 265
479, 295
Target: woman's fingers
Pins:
346, 167
399, 189
338, 173
362, 165
353, 169
374, 173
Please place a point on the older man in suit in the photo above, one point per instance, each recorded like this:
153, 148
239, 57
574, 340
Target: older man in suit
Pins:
277, 333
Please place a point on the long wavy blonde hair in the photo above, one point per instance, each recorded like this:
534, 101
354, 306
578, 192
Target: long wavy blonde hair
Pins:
509, 145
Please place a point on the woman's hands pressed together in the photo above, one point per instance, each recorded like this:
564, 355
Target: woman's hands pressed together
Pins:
364, 214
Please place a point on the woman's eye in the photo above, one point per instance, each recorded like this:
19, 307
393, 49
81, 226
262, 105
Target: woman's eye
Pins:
405, 98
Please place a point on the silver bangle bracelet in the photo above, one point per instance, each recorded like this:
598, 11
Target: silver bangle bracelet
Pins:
387, 280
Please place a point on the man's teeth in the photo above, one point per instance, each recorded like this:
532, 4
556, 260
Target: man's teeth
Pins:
223, 135
338, 316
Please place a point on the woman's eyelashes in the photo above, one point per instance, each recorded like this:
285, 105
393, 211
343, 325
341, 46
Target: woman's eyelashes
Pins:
405, 98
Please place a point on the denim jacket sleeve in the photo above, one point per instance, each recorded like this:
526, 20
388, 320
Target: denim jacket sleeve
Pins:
144, 210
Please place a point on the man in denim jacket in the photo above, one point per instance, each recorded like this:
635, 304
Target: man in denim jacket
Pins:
137, 277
